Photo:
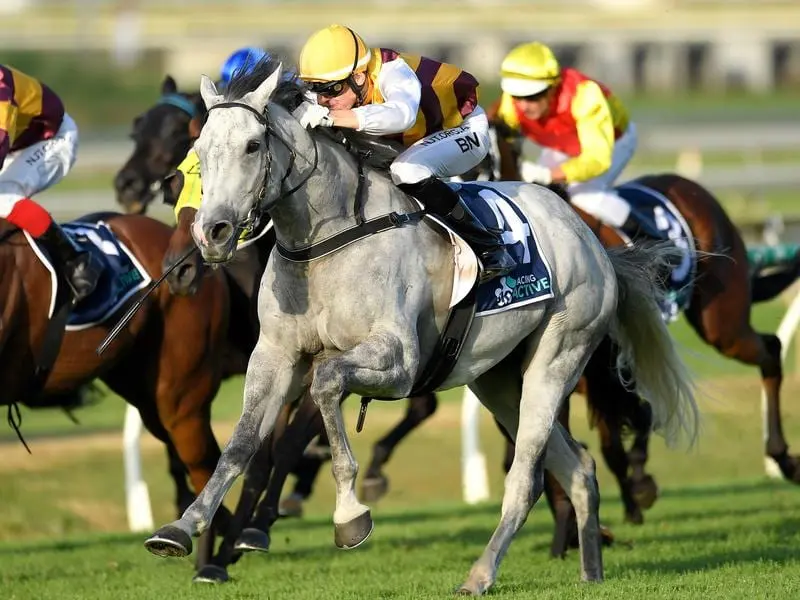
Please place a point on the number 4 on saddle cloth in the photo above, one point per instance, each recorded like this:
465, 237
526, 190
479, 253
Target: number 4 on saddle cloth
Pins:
121, 277
530, 281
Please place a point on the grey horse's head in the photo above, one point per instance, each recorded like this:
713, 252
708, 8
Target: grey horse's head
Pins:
243, 154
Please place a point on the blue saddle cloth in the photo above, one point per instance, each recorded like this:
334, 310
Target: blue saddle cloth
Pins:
657, 214
122, 274
531, 280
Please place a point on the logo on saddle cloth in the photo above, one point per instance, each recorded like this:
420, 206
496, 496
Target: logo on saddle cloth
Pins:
122, 274
531, 280
657, 214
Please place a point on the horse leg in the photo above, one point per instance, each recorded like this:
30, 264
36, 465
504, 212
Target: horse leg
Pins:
183, 495
375, 483
574, 469
548, 378
566, 526
256, 476
566, 531
304, 427
313, 456
643, 486
383, 361
617, 460
715, 323
271, 377
198, 449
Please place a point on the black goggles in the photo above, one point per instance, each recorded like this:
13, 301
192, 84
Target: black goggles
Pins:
330, 89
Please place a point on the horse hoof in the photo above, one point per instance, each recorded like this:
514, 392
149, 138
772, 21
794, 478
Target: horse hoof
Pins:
169, 541
252, 540
211, 574
645, 492
789, 466
353, 533
374, 488
469, 590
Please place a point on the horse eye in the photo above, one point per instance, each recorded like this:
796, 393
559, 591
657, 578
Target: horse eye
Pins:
253, 146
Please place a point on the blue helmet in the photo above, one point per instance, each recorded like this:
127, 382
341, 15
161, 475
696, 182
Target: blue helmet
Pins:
243, 59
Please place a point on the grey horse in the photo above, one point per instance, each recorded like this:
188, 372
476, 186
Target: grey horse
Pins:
364, 318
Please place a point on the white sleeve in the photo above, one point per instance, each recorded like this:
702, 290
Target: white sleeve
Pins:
401, 90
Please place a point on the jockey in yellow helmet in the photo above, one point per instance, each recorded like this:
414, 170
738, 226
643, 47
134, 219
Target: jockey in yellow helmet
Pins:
429, 106
584, 130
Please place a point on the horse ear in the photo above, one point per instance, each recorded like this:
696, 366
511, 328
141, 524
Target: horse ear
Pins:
259, 97
209, 93
169, 86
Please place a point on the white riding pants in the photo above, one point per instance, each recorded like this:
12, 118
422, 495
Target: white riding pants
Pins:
445, 153
29, 171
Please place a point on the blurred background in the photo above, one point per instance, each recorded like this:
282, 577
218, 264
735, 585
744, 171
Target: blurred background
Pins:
714, 86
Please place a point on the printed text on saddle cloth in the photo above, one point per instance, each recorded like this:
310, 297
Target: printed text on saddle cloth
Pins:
530, 281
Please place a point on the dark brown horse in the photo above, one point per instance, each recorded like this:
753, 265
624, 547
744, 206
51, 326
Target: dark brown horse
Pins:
165, 362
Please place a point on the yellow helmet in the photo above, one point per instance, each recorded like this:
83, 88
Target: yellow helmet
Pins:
529, 69
333, 54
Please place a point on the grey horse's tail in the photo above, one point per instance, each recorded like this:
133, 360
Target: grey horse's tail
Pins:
647, 352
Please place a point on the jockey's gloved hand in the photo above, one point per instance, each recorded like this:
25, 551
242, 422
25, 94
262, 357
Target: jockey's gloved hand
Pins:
533, 173
312, 115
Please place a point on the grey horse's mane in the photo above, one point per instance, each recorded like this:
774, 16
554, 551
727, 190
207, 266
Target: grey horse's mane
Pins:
377, 152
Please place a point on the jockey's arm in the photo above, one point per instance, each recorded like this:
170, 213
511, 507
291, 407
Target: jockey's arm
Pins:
401, 90
596, 133
8, 121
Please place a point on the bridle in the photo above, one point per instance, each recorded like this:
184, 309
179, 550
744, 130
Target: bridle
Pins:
256, 213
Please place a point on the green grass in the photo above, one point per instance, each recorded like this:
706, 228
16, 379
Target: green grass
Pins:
698, 544
719, 529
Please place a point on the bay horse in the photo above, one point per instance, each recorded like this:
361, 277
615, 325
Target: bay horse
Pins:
165, 362
326, 329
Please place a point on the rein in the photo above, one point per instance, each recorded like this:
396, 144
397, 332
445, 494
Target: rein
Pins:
360, 230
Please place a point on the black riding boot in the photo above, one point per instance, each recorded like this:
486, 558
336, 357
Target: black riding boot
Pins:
636, 229
441, 200
81, 272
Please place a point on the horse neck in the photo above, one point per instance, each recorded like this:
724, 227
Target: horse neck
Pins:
326, 203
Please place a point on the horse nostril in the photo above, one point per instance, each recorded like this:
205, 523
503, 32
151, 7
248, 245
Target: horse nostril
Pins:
221, 232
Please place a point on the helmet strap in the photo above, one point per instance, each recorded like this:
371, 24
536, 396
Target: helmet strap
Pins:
351, 79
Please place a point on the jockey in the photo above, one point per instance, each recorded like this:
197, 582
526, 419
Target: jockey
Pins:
186, 187
584, 130
38, 146
429, 106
